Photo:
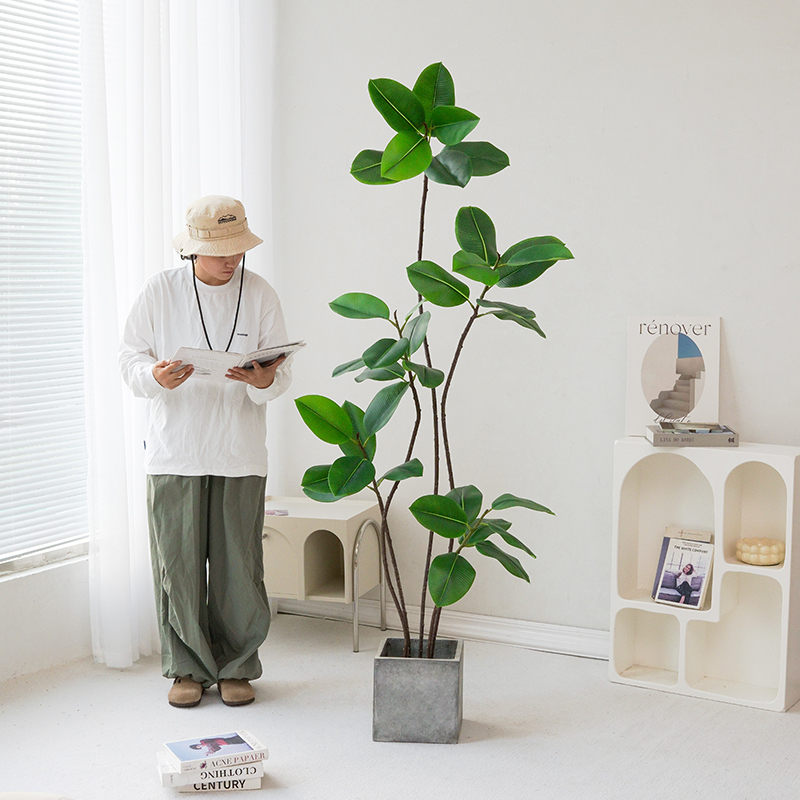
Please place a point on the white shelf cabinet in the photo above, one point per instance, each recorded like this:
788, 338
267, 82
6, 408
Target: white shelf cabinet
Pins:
743, 645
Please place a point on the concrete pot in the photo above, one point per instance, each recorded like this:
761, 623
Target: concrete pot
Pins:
418, 699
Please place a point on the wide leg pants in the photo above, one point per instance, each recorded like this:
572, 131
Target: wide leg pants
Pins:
208, 571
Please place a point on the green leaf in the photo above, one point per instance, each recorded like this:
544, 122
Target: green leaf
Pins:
511, 563
436, 285
390, 373
385, 352
411, 469
469, 498
519, 265
398, 105
435, 87
452, 124
450, 577
315, 484
514, 542
475, 233
519, 314
354, 446
350, 474
406, 155
480, 534
326, 419
510, 500
475, 268
429, 377
496, 524
450, 168
415, 331
349, 366
383, 406
485, 158
366, 168
440, 514
359, 305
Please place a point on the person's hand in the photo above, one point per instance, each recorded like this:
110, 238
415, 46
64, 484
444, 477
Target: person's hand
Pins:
260, 377
170, 374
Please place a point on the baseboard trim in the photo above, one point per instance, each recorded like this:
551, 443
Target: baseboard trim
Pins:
583, 642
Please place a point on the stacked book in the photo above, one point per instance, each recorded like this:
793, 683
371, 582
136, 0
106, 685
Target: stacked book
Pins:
222, 762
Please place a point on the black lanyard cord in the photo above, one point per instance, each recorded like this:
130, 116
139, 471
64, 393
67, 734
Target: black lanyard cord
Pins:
200, 308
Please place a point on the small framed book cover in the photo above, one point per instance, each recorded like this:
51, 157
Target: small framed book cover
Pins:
673, 371
219, 750
684, 569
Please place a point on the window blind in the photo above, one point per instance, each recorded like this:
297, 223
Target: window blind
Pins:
42, 429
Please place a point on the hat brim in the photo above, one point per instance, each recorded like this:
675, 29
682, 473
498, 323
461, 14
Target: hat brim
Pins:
186, 245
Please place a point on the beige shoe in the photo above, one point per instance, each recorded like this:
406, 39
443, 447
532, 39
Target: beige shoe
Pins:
185, 693
236, 692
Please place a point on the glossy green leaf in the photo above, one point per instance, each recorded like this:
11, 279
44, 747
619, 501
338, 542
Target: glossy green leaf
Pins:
350, 474
385, 352
415, 331
511, 500
450, 577
327, 420
469, 498
435, 87
429, 377
514, 542
348, 366
411, 469
440, 514
359, 305
383, 406
452, 124
475, 233
450, 168
436, 285
398, 105
366, 168
406, 156
518, 265
473, 267
315, 484
519, 314
486, 159
364, 445
511, 563
496, 524
392, 372
480, 534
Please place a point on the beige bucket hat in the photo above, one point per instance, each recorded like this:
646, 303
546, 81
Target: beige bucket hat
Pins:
215, 226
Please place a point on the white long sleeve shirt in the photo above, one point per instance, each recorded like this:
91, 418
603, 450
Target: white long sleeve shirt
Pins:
201, 428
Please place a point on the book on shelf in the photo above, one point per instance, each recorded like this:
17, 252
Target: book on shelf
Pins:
212, 365
684, 568
192, 756
170, 775
221, 785
691, 434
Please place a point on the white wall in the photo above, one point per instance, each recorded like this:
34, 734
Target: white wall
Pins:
45, 618
658, 140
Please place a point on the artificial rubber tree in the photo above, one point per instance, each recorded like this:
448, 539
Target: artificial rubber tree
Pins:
403, 360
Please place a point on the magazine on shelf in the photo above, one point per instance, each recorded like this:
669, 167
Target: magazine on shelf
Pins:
212, 365
691, 434
218, 750
684, 569
170, 775
673, 371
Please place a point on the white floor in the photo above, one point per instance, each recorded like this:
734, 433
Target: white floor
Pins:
536, 726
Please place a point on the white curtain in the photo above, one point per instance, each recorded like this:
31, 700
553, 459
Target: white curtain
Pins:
176, 105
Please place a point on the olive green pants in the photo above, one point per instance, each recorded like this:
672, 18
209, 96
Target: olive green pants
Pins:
208, 571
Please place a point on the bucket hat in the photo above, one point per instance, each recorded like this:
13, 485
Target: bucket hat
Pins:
215, 226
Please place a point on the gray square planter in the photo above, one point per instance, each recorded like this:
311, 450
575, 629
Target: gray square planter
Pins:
418, 699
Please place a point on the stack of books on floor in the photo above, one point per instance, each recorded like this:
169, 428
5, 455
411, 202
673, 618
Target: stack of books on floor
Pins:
223, 762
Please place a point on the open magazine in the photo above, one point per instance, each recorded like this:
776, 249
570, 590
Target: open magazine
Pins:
214, 364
